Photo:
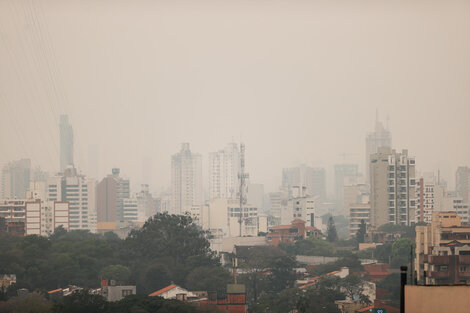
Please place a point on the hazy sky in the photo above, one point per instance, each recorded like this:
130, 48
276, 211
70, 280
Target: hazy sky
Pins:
299, 81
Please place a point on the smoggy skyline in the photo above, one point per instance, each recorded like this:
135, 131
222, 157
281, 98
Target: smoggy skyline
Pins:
300, 85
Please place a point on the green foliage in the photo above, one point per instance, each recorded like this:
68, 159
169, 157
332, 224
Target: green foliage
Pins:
268, 269
350, 261
401, 252
391, 283
167, 248
331, 234
33, 303
403, 230
319, 298
116, 272
309, 246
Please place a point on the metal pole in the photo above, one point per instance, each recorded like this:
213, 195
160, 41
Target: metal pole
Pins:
403, 270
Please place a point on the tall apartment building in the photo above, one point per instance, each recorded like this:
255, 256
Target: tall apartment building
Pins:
42, 218
443, 251
186, 180
462, 183
146, 202
433, 197
393, 183
15, 179
312, 178
110, 195
380, 137
429, 198
224, 166
80, 192
345, 175
66, 142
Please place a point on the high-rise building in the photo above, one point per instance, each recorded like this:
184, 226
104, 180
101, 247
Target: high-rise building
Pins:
380, 137
345, 175
146, 202
80, 192
43, 217
186, 180
15, 179
255, 196
66, 143
110, 194
462, 182
393, 183
314, 179
224, 166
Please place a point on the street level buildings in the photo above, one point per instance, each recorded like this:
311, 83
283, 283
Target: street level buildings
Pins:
443, 251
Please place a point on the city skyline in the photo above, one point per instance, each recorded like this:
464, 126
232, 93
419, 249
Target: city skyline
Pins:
298, 105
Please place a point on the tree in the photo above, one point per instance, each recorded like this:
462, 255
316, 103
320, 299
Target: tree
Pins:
80, 302
353, 286
401, 252
361, 232
116, 272
33, 303
332, 235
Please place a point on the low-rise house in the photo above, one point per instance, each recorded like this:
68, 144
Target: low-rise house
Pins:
115, 292
291, 233
174, 292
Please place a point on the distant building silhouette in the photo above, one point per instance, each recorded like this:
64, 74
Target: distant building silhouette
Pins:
66, 142
186, 180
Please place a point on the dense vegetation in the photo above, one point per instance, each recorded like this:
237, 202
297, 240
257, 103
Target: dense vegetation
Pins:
83, 302
168, 248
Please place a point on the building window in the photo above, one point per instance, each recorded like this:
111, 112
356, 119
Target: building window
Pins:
126, 292
443, 268
463, 268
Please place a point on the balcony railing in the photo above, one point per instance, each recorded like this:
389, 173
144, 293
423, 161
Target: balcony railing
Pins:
438, 259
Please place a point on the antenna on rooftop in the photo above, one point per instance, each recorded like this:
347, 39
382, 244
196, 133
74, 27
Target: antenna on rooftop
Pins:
242, 176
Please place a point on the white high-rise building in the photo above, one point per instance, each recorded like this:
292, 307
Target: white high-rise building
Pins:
380, 137
80, 192
224, 166
393, 183
186, 180
43, 217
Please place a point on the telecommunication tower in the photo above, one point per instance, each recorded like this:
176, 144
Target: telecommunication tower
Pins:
242, 176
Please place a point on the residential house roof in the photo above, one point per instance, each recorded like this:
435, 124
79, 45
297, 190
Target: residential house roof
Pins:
163, 290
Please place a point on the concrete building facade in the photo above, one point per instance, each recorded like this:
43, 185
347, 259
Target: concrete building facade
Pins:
462, 183
186, 180
110, 194
393, 183
224, 166
15, 179
314, 179
380, 137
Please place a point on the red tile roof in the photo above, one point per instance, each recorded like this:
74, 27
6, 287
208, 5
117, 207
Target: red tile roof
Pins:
54, 291
163, 290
